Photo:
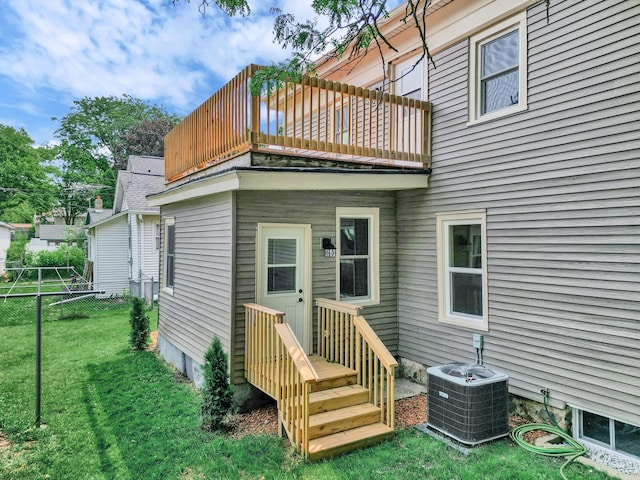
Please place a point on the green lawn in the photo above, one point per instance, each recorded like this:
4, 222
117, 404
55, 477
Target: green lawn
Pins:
115, 414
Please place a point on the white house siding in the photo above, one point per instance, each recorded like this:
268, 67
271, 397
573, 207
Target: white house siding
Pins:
111, 259
561, 187
151, 255
5, 243
200, 306
134, 247
317, 208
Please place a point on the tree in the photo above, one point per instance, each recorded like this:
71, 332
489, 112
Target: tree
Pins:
97, 137
353, 28
139, 334
100, 127
217, 396
25, 187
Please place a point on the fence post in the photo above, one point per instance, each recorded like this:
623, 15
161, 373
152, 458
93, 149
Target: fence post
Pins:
38, 355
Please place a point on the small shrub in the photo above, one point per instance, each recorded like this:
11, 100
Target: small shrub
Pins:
139, 325
217, 395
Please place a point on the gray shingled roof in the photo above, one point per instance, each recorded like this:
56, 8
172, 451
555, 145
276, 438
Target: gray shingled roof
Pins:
136, 186
146, 164
94, 215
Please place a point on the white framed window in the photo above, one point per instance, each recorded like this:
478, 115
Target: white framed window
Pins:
357, 255
498, 70
462, 269
410, 78
607, 433
168, 276
341, 124
156, 236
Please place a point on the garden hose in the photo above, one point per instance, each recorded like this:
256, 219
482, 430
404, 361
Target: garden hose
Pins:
571, 448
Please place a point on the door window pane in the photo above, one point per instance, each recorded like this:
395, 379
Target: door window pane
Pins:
281, 279
281, 251
281, 265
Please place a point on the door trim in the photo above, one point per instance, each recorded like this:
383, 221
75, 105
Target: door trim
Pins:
307, 342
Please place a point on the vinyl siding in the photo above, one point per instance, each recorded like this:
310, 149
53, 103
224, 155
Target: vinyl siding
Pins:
319, 210
200, 306
111, 258
149, 251
560, 185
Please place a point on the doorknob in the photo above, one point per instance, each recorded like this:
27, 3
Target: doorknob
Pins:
300, 291
300, 300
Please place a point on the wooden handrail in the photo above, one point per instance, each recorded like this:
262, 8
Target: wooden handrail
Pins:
345, 337
375, 343
295, 351
295, 375
260, 346
311, 117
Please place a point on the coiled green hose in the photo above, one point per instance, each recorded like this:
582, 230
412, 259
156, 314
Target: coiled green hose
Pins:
571, 448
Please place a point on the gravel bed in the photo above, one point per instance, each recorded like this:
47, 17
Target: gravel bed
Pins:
613, 460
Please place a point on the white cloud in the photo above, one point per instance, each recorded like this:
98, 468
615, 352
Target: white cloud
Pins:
152, 50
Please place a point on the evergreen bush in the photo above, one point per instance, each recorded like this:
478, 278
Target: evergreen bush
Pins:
217, 395
139, 321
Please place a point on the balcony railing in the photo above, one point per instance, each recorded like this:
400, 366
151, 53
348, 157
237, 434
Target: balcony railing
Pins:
312, 118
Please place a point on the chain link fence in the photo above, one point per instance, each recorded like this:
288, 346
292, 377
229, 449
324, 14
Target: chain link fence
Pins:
22, 310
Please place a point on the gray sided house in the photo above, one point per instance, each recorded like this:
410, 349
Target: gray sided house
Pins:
517, 216
124, 242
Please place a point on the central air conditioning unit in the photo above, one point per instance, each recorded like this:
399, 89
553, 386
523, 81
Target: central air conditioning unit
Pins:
468, 402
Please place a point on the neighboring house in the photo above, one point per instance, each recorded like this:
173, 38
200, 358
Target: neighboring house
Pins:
124, 242
513, 212
51, 231
6, 231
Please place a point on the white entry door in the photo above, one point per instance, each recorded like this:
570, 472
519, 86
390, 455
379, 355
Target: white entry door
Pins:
283, 275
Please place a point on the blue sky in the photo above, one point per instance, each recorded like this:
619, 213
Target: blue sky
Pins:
56, 51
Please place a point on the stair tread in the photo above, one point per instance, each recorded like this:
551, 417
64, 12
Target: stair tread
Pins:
347, 437
342, 414
335, 392
328, 371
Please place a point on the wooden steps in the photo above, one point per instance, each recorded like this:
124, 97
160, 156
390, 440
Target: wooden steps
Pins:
347, 418
344, 442
338, 397
341, 418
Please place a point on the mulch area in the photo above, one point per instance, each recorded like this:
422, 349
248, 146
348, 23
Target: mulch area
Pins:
408, 412
4, 443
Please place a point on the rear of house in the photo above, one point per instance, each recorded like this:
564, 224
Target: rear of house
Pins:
524, 230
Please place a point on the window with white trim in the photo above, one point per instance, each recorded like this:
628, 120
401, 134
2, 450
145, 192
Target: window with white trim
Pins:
608, 433
169, 254
357, 255
462, 269
498, 70
341, 124
156, 235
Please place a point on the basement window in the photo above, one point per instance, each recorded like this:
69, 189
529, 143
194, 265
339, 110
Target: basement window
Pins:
609, 433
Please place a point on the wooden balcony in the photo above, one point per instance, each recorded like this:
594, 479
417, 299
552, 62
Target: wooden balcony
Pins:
330, 403
314, 118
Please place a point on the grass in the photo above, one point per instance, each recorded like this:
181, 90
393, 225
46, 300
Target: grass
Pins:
112, 413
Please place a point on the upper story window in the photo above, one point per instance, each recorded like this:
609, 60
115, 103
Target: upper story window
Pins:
410, 80
357, 255
498, 70
341, 124
462, 269
169, 254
